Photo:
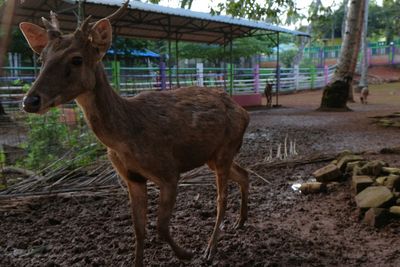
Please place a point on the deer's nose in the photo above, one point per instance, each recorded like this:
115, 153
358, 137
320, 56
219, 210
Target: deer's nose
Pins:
31, 103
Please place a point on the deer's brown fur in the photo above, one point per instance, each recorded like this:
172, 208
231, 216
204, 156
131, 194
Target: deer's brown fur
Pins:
154, 136
268, 93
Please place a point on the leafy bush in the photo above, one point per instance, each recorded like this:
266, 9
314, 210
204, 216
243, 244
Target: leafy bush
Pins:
49, 139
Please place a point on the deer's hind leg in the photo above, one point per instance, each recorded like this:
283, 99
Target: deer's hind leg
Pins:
222, 170
241, 176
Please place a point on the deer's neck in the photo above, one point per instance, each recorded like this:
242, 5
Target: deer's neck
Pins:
104, 109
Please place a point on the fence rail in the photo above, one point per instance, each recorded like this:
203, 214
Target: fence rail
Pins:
378, 54
130, 81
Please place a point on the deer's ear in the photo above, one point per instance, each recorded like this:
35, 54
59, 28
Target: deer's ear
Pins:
36, 36
101, 36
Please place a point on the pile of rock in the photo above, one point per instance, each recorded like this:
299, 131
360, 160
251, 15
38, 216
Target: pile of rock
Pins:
375, 185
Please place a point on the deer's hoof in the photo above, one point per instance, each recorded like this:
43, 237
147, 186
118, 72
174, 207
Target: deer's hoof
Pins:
239, 224
183, 254
209, 253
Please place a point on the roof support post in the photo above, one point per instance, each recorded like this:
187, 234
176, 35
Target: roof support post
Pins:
177, 60
169, 54
169, 64
231, 67
278, 71
224, 65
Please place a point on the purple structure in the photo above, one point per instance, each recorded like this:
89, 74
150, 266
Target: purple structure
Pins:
163, 76
393, 50
256, 76
326, 73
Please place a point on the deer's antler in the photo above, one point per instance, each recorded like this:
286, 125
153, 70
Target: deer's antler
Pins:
53, 26
117, 14
87, 25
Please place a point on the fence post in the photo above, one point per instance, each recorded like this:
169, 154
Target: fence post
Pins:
393, 50
369, 56
326, 74
230, 78
312, 76
116, 77
200, 74
163, 76
256, 77
321, 57
296, 77
278, 83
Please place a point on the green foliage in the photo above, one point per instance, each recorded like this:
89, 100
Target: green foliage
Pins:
287, 57
17, 82
243, 47
268, 10
26, 87
382, 21
49, 139
45, 139
2, 157
307, 63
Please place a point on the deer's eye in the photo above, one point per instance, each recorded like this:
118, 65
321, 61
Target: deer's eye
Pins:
77, 61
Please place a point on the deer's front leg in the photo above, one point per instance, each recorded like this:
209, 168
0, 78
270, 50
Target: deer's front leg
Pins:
167, 202
137, 188
138, 198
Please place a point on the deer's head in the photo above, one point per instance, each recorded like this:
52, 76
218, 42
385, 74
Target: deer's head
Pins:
68, 60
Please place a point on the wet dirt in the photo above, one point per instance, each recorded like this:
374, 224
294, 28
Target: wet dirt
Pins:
285, 228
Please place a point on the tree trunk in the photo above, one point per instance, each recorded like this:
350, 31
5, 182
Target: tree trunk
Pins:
346, 11
364, 48
335, 95
303, 42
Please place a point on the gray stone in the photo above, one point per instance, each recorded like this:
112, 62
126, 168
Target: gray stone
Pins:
373, 168
360, 182
352, 165
391, 181
343, 161
376, 217
395, 210
395, 171
312, 187
344, 153
374, 197
327, 174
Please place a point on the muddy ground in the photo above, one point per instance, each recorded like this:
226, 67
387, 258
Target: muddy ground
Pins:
285, 228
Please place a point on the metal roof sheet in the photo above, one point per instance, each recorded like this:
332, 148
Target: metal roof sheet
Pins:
149, 21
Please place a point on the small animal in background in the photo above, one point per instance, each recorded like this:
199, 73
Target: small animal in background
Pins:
268, 93
364, 95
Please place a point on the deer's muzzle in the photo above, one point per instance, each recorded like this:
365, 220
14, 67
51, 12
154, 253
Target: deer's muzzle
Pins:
31, 103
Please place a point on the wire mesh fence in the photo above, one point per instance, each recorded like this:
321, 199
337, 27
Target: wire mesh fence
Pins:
50, 152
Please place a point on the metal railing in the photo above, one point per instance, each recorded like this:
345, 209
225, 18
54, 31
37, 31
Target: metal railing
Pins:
130, 81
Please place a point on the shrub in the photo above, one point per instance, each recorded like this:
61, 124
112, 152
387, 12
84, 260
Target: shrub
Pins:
49, 139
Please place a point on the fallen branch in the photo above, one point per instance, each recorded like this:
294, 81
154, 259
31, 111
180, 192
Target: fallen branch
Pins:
293, 163
259, 176
12, 169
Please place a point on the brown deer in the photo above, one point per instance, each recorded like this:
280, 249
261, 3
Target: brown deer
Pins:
154, 136
268, 93
364, 95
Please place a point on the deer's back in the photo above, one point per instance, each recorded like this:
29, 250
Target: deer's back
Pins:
189, 125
